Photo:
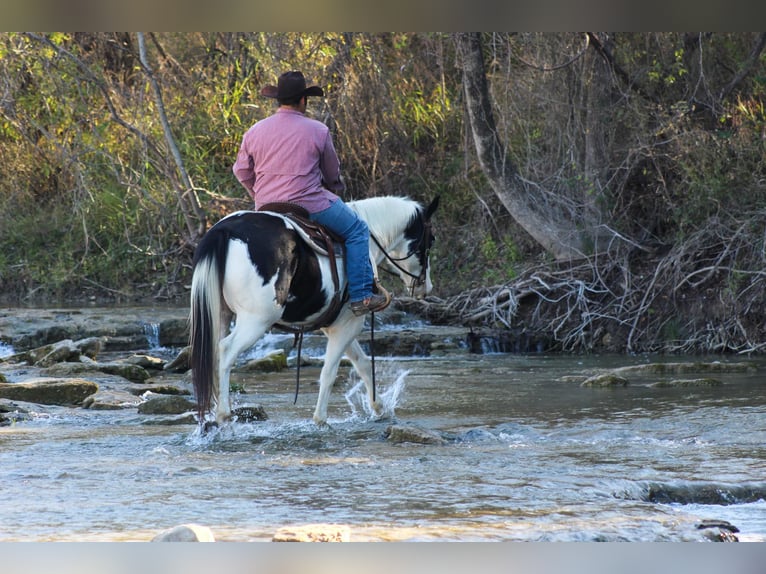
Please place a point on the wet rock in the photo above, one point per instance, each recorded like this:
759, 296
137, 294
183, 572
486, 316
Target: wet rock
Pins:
181, 363
718, 530
174, 332
605, 380
56, 353
413, 434
11, 413
45, 336
313, 533
145, 362
125, 342
127, 371
250, 414
186, 533
271, 363
687, 383
686, 368
166, 405
111, 400
183, 419
159, 389
47, 391
90, 347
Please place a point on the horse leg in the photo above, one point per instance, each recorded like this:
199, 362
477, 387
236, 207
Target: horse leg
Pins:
246, 332
363, 366
339, 336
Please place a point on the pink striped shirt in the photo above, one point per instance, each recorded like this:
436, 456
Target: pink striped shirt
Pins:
289, 157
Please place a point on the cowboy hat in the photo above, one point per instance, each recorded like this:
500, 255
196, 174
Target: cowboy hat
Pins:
291, 85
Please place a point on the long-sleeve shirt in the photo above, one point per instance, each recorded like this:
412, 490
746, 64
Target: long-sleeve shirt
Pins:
289, 157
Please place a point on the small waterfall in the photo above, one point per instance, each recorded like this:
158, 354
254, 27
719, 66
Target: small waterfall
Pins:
152, 332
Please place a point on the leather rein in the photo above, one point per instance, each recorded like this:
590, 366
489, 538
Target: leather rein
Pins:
420, 279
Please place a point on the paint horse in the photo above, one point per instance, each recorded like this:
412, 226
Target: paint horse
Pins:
255, 268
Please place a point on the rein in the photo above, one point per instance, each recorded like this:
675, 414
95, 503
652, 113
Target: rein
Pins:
420, 279
299, 343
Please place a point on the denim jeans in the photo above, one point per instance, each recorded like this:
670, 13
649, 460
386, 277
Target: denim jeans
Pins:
339, 218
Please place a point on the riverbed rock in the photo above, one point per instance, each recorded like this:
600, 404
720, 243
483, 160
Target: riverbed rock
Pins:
11, 413
704, 382
174, 332
249, 414
127, 371
171, 420
166, 405
313, 533
605, 380
111, 400
718, 530
56, 353
414, 434
181, 363
186, 533
145, 362
272, 363
49, 391
686, 368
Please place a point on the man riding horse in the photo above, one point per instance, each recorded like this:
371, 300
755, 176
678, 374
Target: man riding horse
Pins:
290, 158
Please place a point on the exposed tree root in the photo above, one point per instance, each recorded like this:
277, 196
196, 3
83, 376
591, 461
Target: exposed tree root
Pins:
706, 294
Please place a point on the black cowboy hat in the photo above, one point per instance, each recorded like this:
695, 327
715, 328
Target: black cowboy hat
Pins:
291, 85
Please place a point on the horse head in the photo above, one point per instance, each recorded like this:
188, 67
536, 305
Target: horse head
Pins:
403, 234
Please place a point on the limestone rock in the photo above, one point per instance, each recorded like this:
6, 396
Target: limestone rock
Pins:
186, 533
146, 362
174, 332
48, 391
181, 363
127, 371
414, 434
111, 400
271, 363
605, 380
313, 533
250, 414
166, 405
705, 382
48, 355
171, 420
90, 347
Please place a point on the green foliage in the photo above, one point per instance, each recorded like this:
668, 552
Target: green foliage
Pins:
89, 193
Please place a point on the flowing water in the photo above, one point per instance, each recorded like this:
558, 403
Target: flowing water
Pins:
527, 455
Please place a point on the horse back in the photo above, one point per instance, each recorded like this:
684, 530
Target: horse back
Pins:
279, 256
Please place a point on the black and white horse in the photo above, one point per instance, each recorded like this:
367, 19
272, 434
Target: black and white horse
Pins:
254, 267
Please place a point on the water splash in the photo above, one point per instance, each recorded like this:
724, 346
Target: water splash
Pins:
388, 397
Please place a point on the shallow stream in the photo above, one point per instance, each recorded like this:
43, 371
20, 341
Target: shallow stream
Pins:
528, 455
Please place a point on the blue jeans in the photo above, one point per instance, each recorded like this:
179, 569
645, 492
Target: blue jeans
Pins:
339, 218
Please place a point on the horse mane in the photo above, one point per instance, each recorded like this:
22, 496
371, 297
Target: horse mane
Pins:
386, 216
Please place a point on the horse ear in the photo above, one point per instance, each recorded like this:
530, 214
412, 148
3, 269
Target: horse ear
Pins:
432, 207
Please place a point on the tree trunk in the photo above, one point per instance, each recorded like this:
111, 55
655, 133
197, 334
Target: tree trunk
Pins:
187, 194
547, 220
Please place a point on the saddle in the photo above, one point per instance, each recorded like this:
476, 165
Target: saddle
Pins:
325, 242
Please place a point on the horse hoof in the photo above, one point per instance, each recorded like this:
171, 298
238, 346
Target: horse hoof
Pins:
208, 426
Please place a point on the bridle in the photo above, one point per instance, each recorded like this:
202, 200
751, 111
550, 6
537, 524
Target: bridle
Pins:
420, 279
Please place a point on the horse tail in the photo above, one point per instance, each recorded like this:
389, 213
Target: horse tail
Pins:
205, 317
